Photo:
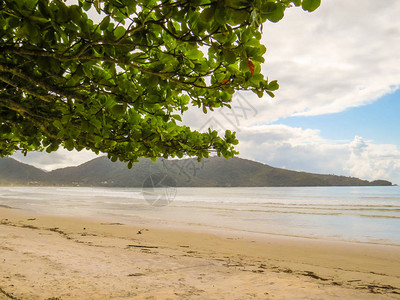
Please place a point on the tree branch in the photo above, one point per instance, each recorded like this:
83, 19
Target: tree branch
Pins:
26, 114
25, 89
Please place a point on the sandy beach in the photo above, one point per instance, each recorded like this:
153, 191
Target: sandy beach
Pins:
44, 257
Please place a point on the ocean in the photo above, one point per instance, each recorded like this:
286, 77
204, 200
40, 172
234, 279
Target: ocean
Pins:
357, 214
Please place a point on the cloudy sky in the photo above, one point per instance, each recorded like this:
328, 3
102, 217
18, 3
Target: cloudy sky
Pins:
337, 109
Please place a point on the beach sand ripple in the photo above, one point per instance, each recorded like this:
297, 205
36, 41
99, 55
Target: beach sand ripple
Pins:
43, 257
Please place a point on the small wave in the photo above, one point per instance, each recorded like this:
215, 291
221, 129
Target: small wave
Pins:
322, 204
288, 210
6, 206
339, 208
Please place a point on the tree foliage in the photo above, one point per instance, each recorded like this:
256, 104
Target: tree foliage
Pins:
120, 84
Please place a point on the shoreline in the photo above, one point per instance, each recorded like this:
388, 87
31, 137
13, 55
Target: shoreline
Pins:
70, 258
343, 215
194, 227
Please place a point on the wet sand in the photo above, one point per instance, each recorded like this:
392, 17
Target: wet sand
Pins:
68, 258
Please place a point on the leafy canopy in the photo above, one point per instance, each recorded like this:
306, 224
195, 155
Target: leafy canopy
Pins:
120, 85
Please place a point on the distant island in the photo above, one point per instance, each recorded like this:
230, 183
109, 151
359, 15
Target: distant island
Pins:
211, 172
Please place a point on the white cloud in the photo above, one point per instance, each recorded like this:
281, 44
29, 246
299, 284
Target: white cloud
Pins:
305, 150
358, 146
373, 161
55, 160
345, 54
292, 148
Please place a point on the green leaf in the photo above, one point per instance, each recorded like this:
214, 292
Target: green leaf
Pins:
86, 5
119, 32
87, 71
194, 54
207, 15
277, 14
229, 56
260, 93
69, 145
273, 85
238, 16
177, 117
104, 23
272, 95
58, 124
118, 109
38, 19
310, 5
296, 2
220, 16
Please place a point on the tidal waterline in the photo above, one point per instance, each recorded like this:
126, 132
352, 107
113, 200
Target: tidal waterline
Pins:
361, 214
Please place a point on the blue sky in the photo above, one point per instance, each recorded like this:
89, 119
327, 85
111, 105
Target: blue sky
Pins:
378, 121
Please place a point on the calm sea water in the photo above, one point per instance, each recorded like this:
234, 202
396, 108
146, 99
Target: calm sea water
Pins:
363, 214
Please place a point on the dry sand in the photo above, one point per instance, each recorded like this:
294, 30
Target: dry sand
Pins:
44, 257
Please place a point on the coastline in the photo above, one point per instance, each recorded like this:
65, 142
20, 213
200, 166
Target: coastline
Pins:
70, 258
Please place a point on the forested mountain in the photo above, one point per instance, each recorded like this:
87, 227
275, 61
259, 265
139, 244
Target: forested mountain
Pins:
15, 172
215, 171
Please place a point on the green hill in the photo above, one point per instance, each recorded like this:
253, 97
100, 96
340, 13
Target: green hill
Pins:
15, 172
215, 171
